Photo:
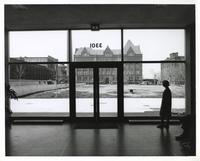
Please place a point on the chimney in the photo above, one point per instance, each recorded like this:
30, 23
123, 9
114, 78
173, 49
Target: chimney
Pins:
174, 55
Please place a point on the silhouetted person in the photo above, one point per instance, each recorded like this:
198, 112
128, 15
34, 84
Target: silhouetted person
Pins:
165, 110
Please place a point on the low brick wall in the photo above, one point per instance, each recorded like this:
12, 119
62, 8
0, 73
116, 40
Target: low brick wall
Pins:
23, 82
30, 89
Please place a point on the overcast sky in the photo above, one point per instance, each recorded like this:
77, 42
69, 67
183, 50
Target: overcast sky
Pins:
154, 44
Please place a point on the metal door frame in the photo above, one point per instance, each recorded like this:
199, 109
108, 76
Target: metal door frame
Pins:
96, 66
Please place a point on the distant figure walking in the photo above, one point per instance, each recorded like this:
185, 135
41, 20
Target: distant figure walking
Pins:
165, 110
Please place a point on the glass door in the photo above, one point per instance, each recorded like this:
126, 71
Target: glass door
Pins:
108, 92
95, 91
84, 92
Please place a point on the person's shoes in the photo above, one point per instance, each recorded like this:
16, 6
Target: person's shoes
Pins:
160, 126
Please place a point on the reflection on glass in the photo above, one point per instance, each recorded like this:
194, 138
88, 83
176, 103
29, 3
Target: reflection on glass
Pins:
108, 92
84, 92
155, 44
38, 46
35, 84
143, 92
104, 45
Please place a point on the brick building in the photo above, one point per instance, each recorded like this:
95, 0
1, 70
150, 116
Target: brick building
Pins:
36, 72
173, 72
132, 72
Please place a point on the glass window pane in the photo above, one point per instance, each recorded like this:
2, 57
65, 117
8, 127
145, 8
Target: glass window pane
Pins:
143, 87
84, 92
155, 44
38, 46
104, 45
108, 92
40, 87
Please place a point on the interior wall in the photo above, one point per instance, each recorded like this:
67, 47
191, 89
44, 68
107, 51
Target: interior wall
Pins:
190, 69
7, 101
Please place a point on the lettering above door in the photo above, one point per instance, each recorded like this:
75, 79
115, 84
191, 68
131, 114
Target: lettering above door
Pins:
96, 45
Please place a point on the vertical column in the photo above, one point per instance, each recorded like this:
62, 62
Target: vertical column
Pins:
120, 91
190, 81
121, 80
122, 45
190, 70
69, 45
71, 75
96, 93
7, 101
7, 74
72, 92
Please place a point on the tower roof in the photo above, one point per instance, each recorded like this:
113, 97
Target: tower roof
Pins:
108, 50
135, 48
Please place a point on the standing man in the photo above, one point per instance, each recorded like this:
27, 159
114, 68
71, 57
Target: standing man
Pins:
165, 110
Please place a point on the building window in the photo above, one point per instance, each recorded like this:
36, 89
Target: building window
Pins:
44, 76
38, 46
104, 45
155, 44
40, 81
143, 94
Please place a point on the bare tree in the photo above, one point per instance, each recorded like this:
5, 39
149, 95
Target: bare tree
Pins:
20, 71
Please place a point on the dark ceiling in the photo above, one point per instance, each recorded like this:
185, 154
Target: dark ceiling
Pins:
31, 17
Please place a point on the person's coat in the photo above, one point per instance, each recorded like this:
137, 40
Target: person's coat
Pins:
166, 104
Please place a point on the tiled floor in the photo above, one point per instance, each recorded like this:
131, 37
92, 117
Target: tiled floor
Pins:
65, 140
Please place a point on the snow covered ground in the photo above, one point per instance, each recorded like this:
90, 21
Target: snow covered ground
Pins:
86, 105
143, 98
